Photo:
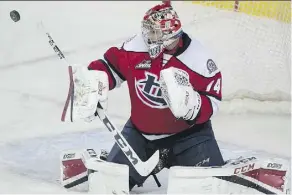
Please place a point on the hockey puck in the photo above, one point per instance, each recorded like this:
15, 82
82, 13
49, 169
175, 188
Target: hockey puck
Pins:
15, 16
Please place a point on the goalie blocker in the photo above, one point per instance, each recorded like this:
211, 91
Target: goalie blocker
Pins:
242, 175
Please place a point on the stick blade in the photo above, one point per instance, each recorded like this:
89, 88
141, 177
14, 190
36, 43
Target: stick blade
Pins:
145, 168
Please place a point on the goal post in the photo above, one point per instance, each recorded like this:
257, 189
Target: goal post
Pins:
251, 41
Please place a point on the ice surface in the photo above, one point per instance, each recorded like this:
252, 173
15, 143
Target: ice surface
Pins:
34, 85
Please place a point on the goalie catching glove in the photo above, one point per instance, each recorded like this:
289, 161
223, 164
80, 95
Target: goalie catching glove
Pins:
90, 88
179, 94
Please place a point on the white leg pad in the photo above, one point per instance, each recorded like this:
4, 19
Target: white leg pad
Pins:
197, 180
108, 178
241, 176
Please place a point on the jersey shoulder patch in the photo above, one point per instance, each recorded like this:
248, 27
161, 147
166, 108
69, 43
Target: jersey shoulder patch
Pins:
135, 44
197, 58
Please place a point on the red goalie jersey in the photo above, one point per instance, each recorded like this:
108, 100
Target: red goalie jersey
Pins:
149, 112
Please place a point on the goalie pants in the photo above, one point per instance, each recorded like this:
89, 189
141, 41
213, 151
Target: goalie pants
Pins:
196, 146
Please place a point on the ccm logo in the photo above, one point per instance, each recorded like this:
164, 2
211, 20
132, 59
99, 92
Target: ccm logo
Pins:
67, 156
274, 166
123, 145
244, 169
91, 153
243, 160
100, 87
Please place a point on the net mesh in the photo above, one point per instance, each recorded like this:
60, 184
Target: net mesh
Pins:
251, 41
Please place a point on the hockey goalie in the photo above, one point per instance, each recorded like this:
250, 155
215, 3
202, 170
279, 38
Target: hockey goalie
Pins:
175, 88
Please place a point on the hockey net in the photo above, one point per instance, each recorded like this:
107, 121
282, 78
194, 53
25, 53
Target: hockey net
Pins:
251, 41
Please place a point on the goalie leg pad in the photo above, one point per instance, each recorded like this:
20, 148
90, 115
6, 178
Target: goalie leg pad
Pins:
73, 170
246, 175
108, 178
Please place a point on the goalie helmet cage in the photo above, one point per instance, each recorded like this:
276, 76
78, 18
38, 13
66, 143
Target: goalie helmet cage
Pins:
251, 42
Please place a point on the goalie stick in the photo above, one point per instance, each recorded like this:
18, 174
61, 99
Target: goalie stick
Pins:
144, 168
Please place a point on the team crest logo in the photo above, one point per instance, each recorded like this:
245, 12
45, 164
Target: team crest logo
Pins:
149, 92
211, 66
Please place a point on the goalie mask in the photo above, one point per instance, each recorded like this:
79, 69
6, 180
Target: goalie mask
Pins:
160, 28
